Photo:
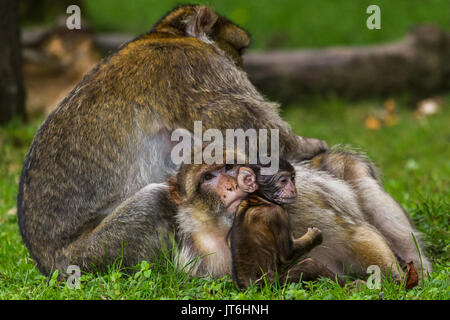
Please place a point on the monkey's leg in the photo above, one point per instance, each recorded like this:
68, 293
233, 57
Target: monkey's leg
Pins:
134, 231
383, 212
309, 270
370, 248
378, 207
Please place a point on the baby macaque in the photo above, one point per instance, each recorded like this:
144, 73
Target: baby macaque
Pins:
260, 238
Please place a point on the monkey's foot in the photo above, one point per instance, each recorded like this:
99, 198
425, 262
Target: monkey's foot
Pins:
313, 146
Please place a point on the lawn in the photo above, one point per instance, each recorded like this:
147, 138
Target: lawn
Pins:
413, 155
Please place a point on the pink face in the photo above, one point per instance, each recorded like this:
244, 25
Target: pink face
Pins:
222, 182
287, 191
279, 188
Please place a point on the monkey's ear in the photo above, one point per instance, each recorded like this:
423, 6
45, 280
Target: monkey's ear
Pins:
174, 191
246, 180
202, 22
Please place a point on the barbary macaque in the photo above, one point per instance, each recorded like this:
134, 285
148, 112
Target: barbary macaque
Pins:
93, 185
93, 182
261, 242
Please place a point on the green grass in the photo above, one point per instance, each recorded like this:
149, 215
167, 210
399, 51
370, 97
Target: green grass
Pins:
413, 155
285, 23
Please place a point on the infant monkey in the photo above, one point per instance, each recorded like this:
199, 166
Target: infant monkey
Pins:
260, 238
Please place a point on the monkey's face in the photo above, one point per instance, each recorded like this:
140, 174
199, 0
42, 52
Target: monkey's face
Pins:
218, 188
212, 188
278, 188
285, 190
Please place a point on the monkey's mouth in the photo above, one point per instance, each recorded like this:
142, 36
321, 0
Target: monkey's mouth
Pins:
288, 200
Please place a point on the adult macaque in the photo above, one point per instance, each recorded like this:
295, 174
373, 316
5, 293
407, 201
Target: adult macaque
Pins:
89, 187
260, 239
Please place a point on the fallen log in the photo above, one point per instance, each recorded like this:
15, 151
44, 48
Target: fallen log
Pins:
419, 63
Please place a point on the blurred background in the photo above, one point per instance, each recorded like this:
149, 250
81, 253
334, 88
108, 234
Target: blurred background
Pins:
408, 54
286, 23
383, 91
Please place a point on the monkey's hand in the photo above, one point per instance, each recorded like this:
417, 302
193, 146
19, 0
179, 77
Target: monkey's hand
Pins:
312, 238
312, 147
315, 235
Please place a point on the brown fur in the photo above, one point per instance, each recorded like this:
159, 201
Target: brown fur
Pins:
388, 237
203, 217
350, 245
99, 155
261, 242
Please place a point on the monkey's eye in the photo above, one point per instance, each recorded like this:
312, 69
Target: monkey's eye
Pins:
208, 176
283, 180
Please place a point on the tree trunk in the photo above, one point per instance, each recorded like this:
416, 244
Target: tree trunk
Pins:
11, 82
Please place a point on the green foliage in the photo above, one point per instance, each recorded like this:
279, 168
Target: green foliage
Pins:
285, 23
413, 155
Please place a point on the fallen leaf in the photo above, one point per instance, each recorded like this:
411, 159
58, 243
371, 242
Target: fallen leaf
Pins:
372, 123
389, 105
411, 277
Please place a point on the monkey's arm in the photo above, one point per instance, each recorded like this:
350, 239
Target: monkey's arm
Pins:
312, 238
138, 226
